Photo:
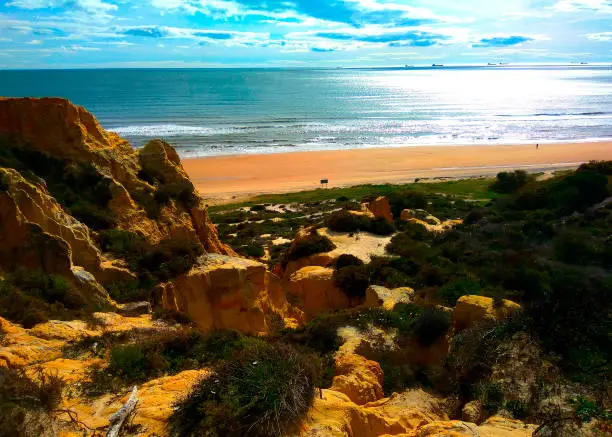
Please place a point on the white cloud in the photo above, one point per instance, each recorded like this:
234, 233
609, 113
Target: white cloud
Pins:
603, 36
601, 6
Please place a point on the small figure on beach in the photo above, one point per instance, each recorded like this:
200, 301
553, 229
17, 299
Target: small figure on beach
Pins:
537, 146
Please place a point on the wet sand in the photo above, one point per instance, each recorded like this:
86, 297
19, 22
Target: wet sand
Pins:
224, 178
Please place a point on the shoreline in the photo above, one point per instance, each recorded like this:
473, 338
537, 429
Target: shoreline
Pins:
221, 179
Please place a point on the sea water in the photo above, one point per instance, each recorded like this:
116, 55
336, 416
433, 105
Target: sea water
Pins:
207, 112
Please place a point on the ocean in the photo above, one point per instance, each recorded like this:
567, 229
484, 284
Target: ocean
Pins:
206, 112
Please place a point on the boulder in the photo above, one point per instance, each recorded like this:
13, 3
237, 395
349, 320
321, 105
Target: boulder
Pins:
227, 293
382, 297
471, 310
358, 378
381, 208
313, 288
317, 260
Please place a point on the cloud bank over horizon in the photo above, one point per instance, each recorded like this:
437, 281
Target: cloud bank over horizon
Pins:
301, 33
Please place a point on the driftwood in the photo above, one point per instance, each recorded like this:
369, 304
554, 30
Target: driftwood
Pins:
117, 419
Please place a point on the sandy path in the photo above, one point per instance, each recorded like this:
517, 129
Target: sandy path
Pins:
221, 178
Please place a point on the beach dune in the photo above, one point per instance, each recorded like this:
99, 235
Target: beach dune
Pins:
225, 177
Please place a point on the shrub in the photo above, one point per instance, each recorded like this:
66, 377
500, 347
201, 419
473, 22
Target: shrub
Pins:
344, 221
602, 167
406, 200
129, 361
510, 182
262, 392
452, 291
346, 260
30, 297
492, 397
252, 250
431, 327
381, 226
153, 264
312, 245
27, 404
353, 280
79, 187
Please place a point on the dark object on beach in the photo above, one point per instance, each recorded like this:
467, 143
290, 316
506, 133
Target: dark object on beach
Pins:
537, 146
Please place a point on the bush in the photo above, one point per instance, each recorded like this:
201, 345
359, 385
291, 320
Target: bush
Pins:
510, 182
353, 280
153, 264
346, 260
79, 187
27, 404
452, 291
262, 392
381, 226
252, 250
30, 297
406, 200
130, 362
431, 327
344, 221
312, 245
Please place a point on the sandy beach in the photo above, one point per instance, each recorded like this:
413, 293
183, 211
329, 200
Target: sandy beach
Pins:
223, 178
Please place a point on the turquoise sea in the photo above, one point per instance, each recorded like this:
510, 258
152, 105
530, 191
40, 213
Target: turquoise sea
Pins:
235, 111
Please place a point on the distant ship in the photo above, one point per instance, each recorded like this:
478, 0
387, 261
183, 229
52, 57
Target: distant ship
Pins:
584, 63
437, 65
490, 64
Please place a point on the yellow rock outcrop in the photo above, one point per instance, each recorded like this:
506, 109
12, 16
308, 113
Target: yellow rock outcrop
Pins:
471, 310
358, 378
380, 207
226, 293
314, 289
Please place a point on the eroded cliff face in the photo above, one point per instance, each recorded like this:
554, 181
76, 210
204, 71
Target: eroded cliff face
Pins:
47, 146
57, 128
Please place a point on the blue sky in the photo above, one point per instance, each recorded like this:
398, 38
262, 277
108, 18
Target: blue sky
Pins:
301, 33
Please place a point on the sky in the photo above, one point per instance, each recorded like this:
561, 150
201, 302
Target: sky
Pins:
301, 33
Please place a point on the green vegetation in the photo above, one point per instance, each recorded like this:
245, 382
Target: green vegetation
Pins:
152, 263
344, 221
264, 391
78, 187
28, 405
311, 245
510, 182
469, 188
29, 297
137, 360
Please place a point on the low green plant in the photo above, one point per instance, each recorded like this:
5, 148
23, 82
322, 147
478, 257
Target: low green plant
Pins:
586, 410
29, 297
312, 245
261, 392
